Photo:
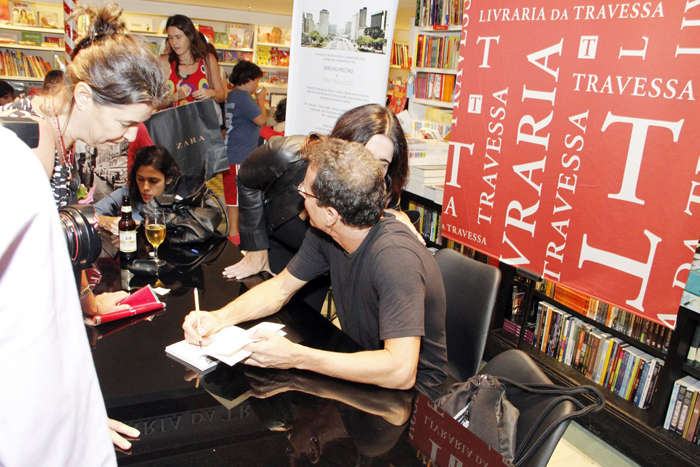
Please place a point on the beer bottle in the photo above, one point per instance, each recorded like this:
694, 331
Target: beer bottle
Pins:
127, 232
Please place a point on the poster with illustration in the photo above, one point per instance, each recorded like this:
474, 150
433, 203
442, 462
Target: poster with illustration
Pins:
339, 60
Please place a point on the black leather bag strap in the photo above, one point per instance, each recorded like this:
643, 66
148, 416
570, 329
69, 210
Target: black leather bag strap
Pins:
224, 211
560, 394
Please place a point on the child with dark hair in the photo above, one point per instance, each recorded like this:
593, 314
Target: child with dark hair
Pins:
278, 130
244, 117
153, 170
7, 93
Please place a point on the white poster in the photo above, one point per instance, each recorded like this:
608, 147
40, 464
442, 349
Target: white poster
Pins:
339, 60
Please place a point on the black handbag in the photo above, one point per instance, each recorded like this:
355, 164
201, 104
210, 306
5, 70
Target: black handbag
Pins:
192, 134
193, 212
481, 405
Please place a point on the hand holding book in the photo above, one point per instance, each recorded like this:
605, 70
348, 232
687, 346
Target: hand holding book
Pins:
142, 301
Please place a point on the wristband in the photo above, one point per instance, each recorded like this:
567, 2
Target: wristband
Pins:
85, 292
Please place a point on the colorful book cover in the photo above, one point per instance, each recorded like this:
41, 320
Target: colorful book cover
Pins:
23, 13
4, 10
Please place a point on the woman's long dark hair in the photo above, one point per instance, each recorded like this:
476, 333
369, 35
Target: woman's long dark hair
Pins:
358, 125
157, 157
198, 48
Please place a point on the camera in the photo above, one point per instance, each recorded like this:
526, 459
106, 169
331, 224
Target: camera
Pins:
84, 241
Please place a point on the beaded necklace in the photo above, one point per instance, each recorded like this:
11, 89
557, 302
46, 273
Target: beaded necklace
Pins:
67, 155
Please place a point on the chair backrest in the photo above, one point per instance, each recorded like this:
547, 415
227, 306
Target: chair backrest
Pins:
518, 366
471, 288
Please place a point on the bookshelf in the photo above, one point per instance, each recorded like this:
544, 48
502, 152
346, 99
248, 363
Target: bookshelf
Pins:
636, 432
434, 44
25, 64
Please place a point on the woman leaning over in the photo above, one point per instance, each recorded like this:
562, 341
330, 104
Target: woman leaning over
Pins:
112, 84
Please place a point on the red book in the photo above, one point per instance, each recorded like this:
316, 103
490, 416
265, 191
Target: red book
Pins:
141, 301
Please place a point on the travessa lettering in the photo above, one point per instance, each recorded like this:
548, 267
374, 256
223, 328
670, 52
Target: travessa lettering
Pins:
580, 12
635, 86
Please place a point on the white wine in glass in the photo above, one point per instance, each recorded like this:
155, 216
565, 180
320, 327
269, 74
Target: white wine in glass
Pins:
155, 230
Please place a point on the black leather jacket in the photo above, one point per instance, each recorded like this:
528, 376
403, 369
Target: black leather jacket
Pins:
267, 190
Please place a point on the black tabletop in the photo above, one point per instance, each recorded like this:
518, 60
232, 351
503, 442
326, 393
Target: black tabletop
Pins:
237, 415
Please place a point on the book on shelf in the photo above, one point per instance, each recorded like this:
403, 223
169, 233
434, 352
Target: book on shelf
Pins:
438, 12
691, 358
264, 55
208, 32
22, 13
674, 403
434, 86
274, 35
437, 51
239, 36
427, 152
31, 38
220, 39
48, 19
693, 417
400, 55
226, 347
685, 420
234, 56
4, 10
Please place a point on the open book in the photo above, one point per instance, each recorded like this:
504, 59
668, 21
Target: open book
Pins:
226, 347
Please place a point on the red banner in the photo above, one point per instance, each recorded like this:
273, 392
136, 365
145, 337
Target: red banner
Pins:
576, 143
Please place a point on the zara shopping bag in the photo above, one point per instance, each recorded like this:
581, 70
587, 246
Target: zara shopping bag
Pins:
192, 134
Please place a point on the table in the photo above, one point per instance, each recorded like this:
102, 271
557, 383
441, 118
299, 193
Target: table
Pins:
238, 415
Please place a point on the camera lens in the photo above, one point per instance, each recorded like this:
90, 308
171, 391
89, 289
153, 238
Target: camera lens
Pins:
84, 242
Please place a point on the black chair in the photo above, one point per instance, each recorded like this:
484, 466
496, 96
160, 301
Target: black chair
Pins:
471, 288
518, 366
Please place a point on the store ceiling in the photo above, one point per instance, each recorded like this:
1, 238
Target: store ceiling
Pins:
406, 11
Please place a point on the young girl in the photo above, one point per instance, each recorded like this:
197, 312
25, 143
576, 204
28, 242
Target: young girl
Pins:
154, 169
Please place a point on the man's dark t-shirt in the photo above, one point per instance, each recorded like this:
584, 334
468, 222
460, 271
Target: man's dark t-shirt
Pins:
390, 287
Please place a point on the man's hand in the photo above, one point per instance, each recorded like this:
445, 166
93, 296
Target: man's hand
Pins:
107, 302
209, 325
117, 429
252, 263
271, 351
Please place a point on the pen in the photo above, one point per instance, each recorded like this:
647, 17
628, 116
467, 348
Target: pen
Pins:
196, 307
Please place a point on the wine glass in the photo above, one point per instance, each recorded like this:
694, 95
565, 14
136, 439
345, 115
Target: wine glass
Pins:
155, 230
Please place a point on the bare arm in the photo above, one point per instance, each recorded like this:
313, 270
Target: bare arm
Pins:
261, 119
393, 406
394, 367
216, 89
264, 300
